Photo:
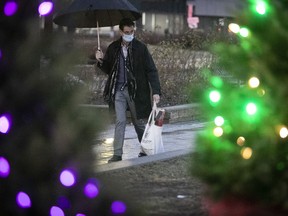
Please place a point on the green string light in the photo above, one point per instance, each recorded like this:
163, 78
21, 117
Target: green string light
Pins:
219, 121
261, 7
244, 32
215, 96
216, 81
251, 108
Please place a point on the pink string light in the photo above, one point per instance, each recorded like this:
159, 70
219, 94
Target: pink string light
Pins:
10, 8
67, 178
45, 8
91, 188
56, 211
4, 124
4, 167
23, 200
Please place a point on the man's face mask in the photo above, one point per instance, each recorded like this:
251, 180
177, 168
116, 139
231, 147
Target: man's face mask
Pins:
128, 33
128, 37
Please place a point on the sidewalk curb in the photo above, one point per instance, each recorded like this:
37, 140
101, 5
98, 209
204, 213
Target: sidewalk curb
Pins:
140, 161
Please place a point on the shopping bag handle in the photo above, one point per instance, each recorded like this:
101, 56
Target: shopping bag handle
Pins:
154, 105
151, 118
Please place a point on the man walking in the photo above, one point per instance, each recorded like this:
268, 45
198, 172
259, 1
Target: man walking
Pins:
133, 79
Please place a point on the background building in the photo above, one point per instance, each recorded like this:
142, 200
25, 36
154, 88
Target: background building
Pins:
177, 16
174, 17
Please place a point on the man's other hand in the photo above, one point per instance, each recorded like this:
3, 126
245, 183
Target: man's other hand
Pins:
156, 98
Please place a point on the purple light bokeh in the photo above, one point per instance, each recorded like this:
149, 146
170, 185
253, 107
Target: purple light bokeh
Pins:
80, 214
23, 200
91, 190
56, 211
10, 8
4, 124
4, 167
67, 178
45, 8
63, 202
118, 207
0, 53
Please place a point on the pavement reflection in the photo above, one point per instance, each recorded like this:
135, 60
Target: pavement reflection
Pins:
176, 136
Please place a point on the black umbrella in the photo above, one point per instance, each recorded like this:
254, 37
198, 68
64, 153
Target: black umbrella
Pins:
96, 13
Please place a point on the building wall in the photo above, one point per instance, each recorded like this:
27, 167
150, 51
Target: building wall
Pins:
217, 8
171, 15
161, 16
163, 23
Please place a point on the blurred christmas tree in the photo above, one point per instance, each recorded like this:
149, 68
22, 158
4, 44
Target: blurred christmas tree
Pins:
46, 158
243, 153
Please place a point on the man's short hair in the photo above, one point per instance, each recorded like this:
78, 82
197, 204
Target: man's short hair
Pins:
126, 22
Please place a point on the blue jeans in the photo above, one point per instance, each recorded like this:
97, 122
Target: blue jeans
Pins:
122, 102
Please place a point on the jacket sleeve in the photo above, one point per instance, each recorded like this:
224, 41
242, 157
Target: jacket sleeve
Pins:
105, 66
152, 72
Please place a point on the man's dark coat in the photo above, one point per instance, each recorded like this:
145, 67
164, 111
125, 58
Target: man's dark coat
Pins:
143, 70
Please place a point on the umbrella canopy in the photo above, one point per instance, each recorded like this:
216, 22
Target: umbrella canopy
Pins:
96, 13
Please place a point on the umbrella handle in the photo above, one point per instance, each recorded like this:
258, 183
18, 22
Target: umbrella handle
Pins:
98, 36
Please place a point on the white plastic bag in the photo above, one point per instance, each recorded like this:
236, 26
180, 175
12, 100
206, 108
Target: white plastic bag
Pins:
152, 138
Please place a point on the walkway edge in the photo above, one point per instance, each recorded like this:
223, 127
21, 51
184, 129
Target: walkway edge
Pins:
140, 161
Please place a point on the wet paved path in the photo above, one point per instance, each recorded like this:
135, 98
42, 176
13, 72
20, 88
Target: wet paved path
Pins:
176, 136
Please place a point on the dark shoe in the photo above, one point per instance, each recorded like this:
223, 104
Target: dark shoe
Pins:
142, 154
115, 158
